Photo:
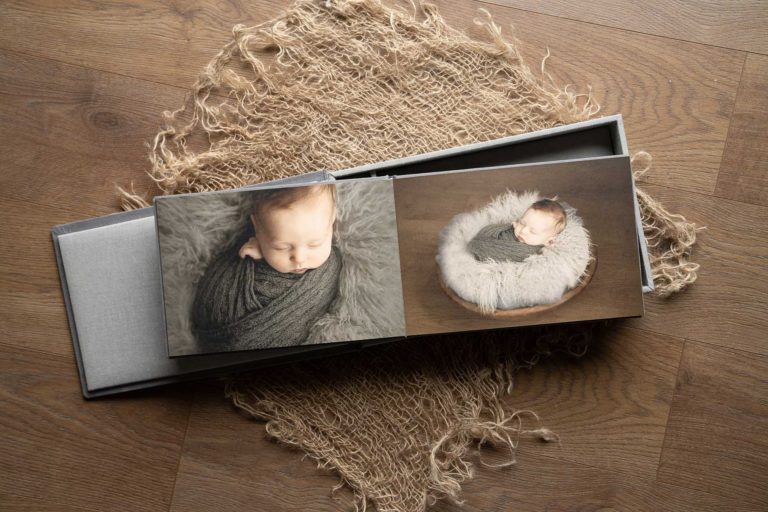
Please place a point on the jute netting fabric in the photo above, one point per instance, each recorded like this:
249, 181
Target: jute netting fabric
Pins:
336, 84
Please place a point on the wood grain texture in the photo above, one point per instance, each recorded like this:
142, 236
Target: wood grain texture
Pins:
33, 315
739, 25
81, 90
720, 413
676, 97
744, 170
59, 449
165, 42
540, 483
727, 305
91, 128
610, 407
230, 465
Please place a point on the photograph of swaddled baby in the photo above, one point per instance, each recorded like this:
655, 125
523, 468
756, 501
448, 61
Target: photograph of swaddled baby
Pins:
521, 245
528, 235
280, 267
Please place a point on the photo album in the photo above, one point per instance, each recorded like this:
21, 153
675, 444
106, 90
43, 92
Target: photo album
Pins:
393, 257
532, 229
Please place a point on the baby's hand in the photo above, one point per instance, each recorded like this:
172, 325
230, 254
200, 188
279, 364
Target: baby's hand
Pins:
251, 248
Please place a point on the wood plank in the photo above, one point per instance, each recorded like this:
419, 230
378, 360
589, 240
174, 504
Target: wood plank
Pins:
9, 503
155, 40
540, 483
726, 306
716, 439
68, 134
664, 122
744, 171
676, 97
57, 139
33, 314
229, 464
741, 26
97, 455
610, 407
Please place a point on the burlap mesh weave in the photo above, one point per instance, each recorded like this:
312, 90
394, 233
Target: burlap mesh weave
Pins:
335, 84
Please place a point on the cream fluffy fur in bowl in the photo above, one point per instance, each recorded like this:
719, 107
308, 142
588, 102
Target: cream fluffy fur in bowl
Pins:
490, 285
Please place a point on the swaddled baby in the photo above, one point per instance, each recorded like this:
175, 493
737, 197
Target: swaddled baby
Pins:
271, 286
536, 229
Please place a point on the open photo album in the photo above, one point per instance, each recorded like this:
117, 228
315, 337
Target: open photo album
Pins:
419, 244
390, 257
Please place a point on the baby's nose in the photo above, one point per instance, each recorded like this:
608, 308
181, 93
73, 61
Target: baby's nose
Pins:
298, 256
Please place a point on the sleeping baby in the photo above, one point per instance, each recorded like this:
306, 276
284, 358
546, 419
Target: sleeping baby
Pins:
528, 235
271, 286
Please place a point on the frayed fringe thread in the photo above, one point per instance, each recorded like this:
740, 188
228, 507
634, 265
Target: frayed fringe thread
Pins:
131, 200
403, 429
670, 238
258, 128
321, 93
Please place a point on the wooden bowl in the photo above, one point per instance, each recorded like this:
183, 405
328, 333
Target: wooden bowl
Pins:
531, 310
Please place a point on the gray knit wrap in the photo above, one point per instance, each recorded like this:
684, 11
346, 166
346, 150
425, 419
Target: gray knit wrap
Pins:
498, 242
244, 304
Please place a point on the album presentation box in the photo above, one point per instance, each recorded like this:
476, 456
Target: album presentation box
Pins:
111, 279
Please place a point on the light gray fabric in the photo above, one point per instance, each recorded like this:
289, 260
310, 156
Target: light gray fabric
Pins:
497, 242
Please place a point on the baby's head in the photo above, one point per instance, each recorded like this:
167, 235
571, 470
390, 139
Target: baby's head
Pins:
294, 226
540, 223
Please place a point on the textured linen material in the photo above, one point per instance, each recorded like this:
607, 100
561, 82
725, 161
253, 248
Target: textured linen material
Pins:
244, 303
112, 275
498, 242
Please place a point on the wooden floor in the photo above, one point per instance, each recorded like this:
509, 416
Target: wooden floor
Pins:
669, 413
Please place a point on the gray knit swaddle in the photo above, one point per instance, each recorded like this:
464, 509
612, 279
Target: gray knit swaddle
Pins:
498, 242
243, 304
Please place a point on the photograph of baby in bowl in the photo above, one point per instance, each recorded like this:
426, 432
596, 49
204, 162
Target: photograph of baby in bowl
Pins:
521, 245
284, 266
514, 255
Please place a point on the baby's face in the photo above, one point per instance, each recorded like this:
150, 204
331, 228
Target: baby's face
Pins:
536, 228
297, 238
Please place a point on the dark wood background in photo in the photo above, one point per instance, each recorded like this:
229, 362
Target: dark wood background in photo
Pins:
601, 192
667, 413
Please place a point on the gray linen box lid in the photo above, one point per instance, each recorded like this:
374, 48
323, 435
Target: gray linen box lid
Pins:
110, 271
